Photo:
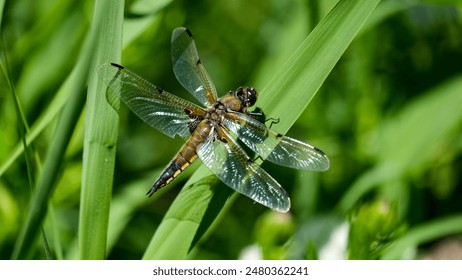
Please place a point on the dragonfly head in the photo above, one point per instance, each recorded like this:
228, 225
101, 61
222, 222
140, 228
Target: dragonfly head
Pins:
247, 95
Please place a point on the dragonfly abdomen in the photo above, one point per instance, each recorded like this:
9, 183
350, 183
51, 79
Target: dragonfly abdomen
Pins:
182, 160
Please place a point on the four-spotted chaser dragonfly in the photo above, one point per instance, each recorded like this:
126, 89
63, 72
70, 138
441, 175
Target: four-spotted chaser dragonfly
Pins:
210, 132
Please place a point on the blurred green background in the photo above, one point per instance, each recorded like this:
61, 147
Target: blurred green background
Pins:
389, 117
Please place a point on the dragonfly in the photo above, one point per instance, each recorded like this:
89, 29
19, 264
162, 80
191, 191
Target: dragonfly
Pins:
210, 132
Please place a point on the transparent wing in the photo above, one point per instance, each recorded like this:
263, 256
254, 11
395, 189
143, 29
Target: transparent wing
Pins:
158, 108
188, 67
234, 168
275, 147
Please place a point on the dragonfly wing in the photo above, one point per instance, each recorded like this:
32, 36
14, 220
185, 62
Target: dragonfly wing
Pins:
234, 168
188, 67
158, 108
275, 147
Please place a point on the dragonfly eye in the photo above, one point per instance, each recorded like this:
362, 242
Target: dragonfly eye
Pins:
248, 95
251, 96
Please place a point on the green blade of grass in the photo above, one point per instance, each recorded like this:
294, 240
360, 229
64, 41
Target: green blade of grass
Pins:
47, 179
204, 200
41, 123
100, 139
23, 129
2, 6
23, 126
287, 95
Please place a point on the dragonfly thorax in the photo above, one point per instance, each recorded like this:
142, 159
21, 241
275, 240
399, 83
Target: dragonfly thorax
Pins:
216, 113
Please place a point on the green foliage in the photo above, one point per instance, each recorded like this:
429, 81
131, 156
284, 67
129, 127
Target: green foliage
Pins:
273, 233
373, 228
387, 83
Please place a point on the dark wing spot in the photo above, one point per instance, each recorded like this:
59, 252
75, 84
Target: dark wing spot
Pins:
279, 135
117, 65
319, 150
198, 61
187, 111
189, 32
159, 90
